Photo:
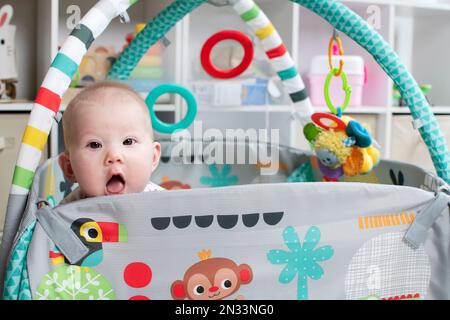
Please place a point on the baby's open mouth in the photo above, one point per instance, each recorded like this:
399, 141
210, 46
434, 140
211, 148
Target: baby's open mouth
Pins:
115, 185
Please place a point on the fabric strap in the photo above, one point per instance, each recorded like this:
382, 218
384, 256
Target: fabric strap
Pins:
417, 232
61, 234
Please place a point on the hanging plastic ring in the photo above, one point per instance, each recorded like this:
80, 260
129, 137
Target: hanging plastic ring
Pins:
330, 54
328, 121
164, 127
345, 86
205, 55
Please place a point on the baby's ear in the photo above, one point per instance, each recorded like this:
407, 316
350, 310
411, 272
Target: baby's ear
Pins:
156, 154
66, 166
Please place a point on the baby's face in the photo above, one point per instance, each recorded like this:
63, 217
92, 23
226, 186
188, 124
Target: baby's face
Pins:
111, 148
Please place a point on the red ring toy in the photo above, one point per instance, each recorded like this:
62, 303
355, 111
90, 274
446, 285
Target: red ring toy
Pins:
318, 116
205, 56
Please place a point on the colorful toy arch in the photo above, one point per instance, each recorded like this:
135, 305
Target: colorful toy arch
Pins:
65, 64
341, 18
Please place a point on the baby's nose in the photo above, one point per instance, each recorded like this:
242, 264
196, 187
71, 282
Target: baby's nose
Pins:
113, 157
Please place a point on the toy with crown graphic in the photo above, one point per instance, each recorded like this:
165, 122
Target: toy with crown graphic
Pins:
343, 146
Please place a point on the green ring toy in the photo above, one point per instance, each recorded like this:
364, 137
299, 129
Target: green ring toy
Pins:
347, 89
164, 127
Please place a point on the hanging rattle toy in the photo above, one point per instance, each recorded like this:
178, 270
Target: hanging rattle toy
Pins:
342, 145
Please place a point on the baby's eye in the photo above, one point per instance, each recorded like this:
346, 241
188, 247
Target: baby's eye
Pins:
129, 141
94, 145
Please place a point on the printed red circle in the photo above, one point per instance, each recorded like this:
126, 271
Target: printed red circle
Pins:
205, 56
139, 298
137, 275
245, 275
178, 290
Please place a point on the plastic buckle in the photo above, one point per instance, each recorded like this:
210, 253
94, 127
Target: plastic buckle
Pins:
40, 203
124, 17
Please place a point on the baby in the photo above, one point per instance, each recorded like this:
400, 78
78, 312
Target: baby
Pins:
109, 143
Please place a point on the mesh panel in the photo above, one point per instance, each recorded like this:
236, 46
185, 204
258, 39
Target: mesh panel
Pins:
386, 267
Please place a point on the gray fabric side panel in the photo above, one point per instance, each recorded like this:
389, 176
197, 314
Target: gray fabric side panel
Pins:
14, 210
19, 212
438, 246
418, 231
61, 234
364, 197
334, 208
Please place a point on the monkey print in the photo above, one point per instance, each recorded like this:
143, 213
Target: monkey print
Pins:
212, 279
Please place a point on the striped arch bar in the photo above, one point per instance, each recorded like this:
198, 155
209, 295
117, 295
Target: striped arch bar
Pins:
55, 84
278, 56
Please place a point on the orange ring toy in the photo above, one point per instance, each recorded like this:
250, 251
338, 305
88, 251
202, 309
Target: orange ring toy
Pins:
330, 53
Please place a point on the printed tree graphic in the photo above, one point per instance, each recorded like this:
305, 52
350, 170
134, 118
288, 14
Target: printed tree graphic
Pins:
69, 282
302, 259
219, 179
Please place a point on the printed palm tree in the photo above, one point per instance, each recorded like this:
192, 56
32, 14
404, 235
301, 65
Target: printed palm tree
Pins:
302, 259
221, 179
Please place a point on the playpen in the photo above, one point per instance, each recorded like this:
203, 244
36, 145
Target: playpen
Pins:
230, 232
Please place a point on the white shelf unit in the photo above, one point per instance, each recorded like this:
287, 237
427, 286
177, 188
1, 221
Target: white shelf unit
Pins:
114, 35
198, 28
16, 107
418, 30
